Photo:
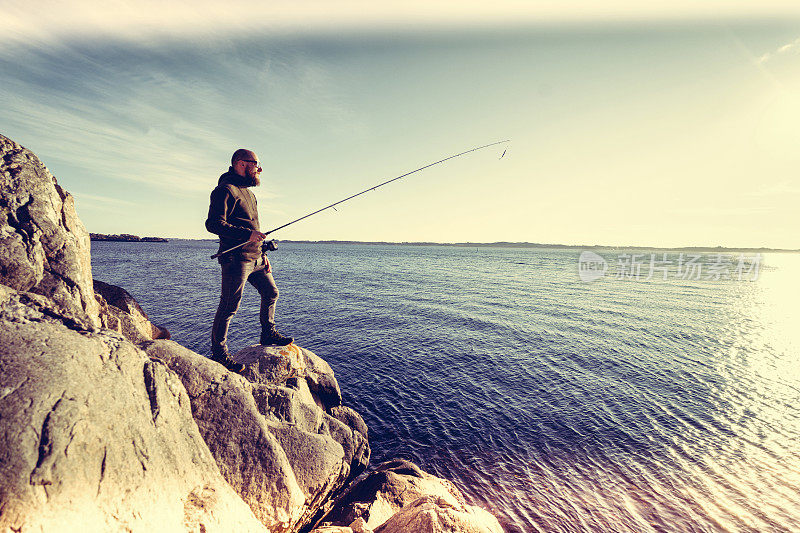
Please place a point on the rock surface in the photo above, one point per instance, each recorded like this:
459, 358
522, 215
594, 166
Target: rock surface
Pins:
398, 494
120, 312
289, 365
275, 444
44, 247
95, 436
431, 514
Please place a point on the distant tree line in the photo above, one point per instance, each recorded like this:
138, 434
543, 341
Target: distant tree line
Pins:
124, 237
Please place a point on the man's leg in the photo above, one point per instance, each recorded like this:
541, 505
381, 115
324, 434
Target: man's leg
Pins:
265, 284
234, 275
266, 287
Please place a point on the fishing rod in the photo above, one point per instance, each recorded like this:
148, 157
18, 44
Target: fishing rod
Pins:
366, 191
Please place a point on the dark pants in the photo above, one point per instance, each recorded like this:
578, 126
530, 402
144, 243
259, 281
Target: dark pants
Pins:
234, 275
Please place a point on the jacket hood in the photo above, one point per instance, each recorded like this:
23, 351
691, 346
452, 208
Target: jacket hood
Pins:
235, 179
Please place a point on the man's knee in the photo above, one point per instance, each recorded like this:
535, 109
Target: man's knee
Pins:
269, 296
266, 286
228, 306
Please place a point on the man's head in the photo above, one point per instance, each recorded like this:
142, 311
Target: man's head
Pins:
245, 163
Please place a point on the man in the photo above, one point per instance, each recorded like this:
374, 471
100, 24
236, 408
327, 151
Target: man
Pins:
233, 215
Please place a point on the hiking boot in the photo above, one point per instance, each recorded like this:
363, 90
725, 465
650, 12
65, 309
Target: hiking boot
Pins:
223, 357
270, 336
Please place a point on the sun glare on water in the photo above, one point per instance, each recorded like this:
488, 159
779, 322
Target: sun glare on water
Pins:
774, 307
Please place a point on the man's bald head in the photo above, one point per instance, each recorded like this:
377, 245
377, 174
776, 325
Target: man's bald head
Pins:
243, 154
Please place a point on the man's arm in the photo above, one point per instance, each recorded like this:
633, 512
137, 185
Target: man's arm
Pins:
221, 203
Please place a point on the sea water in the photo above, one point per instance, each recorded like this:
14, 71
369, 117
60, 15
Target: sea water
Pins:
644, 396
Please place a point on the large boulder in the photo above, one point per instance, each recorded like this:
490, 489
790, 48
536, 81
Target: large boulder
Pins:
96, 436
398, 496
431, 514
121, 312
276, 444
298, 388
291, 366
44, 247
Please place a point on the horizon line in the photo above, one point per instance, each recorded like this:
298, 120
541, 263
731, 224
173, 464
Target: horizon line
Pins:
523, 244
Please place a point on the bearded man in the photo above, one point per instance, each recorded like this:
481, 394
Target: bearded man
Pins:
233, 215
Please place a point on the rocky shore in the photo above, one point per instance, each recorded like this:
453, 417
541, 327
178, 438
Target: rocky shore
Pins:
107, 425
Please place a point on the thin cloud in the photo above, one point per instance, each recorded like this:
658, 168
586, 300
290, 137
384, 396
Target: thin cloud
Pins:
167, 120
792, 48
112, 151
101, 200
734, 211
780, 189
104, 204
144, 19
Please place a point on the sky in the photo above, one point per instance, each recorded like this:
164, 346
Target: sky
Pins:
631, 123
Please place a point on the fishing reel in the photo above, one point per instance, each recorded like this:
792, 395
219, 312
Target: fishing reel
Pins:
268, 246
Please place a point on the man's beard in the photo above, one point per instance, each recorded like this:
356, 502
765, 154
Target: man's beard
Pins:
252, 180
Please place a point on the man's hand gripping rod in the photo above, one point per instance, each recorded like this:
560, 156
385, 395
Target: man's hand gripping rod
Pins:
363, 192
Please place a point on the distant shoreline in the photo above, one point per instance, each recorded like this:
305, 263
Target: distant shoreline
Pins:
504, 244
124, 237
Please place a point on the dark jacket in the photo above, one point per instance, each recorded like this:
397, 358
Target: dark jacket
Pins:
233, 214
